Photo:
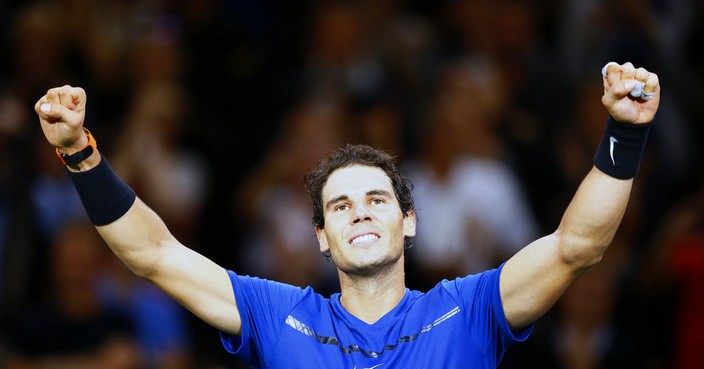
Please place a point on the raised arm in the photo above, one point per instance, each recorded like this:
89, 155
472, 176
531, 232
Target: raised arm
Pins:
132, 230
534, 278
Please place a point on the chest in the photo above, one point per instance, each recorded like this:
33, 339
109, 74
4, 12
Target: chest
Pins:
437, 339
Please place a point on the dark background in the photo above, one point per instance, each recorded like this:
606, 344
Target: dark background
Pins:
244, 69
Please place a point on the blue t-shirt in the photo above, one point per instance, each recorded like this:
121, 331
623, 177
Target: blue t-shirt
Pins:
457, 324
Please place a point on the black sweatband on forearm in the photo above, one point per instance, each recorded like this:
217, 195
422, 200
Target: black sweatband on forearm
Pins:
104, 195
621, 148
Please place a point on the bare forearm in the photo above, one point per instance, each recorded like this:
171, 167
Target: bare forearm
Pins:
592, 218
137, 238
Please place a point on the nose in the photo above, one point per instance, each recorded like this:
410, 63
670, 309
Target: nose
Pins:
361, 214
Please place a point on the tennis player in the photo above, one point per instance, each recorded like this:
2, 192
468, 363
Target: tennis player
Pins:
363, 217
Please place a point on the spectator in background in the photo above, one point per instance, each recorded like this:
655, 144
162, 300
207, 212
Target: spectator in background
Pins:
23, 233
582, 331
73, 328
340, 58
276, 238
33, 65
17, 216
38, 50
54, 198
172, 177
674, 273
17, 254
380, 124
523, 65
592, 31
471, 205
161, 326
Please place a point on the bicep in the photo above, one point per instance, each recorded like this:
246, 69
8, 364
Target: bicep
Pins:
199, 284
533, 280
142, 241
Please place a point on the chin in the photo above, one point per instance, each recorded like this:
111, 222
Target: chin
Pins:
371, 268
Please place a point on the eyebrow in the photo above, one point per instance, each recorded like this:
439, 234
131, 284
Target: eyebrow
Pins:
335, 200
369, 193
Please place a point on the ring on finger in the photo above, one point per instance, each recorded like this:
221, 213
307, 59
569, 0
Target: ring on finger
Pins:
647, 95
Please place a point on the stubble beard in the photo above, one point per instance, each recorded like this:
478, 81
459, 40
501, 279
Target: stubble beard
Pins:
375, 269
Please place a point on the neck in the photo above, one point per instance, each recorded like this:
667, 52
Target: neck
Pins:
370, 297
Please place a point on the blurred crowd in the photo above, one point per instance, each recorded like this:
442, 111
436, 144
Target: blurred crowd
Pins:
213, 110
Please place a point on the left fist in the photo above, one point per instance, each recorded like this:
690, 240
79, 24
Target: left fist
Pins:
631, 95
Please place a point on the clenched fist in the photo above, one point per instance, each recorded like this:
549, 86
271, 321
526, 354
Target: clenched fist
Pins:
619, 82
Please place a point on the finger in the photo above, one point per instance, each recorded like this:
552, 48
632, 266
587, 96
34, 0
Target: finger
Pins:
612, 73
641, 75
52, 96
628, 71
652, 86
40, 102
79, 97
623, 88
606, 67
67, 99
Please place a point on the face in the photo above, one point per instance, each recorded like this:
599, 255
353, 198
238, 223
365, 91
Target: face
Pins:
364, 225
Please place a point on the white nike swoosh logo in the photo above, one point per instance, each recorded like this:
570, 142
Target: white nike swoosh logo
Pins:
612, 142
375, 366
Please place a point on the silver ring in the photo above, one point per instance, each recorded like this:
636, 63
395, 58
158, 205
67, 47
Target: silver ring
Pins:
646, 95
638, 89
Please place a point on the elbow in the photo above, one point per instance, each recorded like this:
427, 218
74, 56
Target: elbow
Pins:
579, 252
142, 271
144, 263
139, 265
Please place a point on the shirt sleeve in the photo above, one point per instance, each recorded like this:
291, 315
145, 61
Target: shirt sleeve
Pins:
263, 307
480, 298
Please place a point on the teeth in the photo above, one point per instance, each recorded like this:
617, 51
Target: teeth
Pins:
365, 238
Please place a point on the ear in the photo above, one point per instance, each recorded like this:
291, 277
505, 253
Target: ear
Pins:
322, 239
409, 224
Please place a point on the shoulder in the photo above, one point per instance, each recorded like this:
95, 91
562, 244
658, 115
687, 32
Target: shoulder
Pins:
471, 289
266, 292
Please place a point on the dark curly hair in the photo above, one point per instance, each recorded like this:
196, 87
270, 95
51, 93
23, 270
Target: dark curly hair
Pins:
348, 156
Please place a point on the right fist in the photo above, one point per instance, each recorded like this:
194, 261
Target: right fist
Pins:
61, 113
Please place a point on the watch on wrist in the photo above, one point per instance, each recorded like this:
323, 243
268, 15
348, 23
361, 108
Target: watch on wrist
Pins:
75, 158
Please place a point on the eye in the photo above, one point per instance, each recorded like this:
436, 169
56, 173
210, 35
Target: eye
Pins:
378, 201
341, 207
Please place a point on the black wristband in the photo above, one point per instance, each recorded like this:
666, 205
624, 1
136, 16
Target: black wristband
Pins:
621, 148
104, 195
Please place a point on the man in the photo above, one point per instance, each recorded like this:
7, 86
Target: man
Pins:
363, 215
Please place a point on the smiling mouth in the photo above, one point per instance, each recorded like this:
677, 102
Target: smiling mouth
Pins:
364, 239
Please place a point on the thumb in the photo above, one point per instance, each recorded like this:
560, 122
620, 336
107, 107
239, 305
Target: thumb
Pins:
628, 87
56, 113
